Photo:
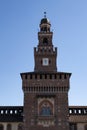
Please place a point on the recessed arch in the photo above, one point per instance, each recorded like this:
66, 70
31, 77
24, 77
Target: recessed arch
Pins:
20, 127
85, 127
9, 127
1, 127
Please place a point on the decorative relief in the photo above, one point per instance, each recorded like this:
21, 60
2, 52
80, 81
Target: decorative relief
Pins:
46, 123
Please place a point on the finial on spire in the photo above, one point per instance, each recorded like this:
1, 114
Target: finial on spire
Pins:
44, 14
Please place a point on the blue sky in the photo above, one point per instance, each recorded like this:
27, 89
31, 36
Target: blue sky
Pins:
19, 24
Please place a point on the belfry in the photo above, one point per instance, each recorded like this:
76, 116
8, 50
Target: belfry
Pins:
45, 89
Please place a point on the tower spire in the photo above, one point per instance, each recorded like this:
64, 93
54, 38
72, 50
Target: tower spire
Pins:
45, 14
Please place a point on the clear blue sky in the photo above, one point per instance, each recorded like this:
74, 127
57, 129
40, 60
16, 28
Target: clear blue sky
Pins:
19, 24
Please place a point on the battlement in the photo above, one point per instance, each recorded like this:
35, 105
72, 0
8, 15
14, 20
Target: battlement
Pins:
46, 50
41, 76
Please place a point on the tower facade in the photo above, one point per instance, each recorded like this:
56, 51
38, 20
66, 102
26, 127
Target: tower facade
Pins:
45, 89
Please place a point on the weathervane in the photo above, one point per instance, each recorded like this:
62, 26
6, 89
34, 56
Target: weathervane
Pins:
44, 14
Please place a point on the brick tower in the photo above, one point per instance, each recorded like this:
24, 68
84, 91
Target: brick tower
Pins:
45, 89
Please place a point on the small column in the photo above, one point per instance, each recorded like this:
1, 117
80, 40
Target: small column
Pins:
15, 126
5, 126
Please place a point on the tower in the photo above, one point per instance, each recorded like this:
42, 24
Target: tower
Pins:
45, 54
45, 89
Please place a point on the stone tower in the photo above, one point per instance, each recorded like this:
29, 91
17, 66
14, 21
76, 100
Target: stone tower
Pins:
45, 89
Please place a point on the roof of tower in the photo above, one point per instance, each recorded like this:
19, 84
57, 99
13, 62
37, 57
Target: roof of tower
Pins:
45, 21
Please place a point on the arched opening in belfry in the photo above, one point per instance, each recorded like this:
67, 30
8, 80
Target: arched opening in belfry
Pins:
45, 41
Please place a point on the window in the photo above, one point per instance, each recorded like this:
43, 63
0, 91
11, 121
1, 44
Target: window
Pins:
45, 61
49, 61
45, 29
46, 109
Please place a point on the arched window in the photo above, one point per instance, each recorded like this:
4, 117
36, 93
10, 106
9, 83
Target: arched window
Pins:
85, 127
20, 127
46, 108
9, 127
1, 127
45, 29
45, 111
41, 29
45, 41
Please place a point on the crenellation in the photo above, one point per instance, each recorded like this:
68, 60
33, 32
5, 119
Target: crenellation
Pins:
39, 76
